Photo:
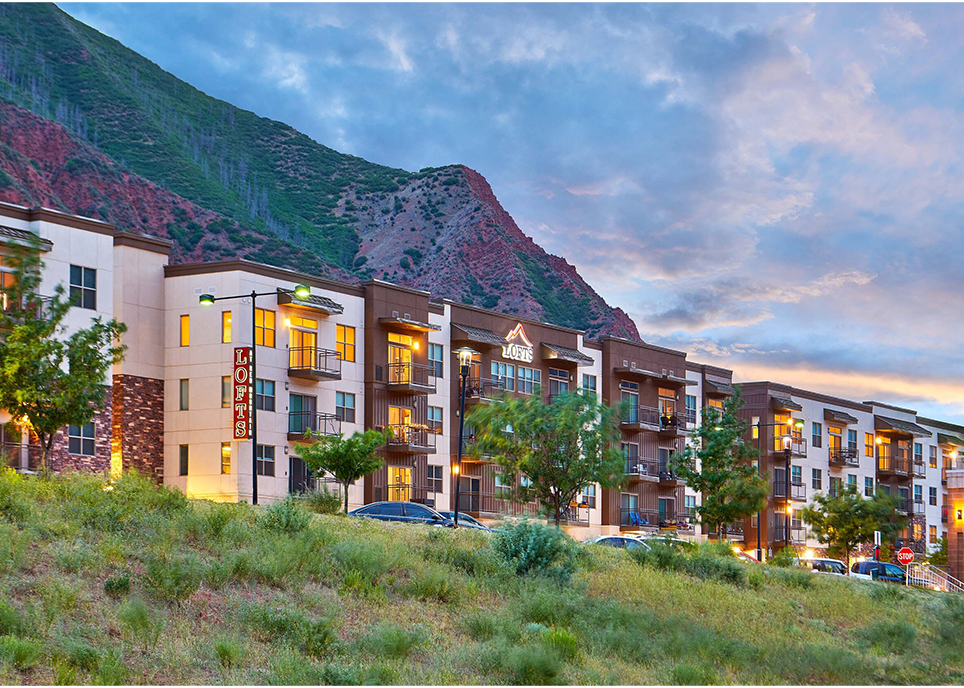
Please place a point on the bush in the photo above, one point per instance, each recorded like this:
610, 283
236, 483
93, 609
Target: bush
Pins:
434, 584
112, 670
394, 642
285, 516
531, 547
323, 501
562, 642
118, 586
481, 625
314, 637
140, 623
20, 652
228, 652
11, 620
783, 558
173, 578
706, 565
13, 502
532, 665
81, 654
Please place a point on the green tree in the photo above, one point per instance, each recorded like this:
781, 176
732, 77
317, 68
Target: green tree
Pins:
848, 519
345, 459
719, 464
939, 557
561, 447
48, 376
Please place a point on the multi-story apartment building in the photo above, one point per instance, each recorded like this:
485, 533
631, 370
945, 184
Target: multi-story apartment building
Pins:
377, 355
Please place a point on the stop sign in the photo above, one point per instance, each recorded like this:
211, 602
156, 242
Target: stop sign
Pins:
905, 555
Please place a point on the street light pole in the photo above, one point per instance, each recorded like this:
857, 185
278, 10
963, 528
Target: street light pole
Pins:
302, 291
786, 456
759, 444
465, 360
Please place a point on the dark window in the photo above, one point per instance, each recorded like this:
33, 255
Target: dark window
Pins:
183, 457
817, 435
80, 439
345, 407
83, 287
391, 509
227, 385
932, 495
371, 509
266, 460
184, 396
435, 353
435, 419
817, 479
264, 395
417, 511
434, 478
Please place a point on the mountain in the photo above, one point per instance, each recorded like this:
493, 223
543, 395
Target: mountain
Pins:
92, 127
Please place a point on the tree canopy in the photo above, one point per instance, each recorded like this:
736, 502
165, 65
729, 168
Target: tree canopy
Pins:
345, 459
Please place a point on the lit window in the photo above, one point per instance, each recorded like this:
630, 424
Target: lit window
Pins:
185, 330
183, 457
755, 424
80, 439
304, 323
932, 534
345, 407
225, 458
265, 459
83, 287
345, 342
868, 444
225, 327
264, 395
264, 327
185, 393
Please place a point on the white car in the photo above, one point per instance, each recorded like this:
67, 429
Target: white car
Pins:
618, 541
834, 567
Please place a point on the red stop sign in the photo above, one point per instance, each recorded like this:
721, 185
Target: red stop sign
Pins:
905, 555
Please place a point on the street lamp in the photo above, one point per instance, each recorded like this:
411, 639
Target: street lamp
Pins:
465, 355
797, 423
301, 291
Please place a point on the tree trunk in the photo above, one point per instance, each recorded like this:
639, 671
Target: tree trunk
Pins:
45, 445
344, 486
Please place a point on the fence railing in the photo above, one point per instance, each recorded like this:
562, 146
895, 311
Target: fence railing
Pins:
647, 468
314, 359
300, 422
416, 374
639, 518
932, 577
798, 489
482, 389
411, 436
844, 456
496, 503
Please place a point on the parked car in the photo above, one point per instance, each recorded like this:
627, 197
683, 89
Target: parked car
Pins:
744, 557
878, 570
618, 541
407, 512
678, 543
821, 565
467, 521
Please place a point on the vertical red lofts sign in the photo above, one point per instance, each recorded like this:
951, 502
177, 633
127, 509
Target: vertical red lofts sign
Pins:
242, 393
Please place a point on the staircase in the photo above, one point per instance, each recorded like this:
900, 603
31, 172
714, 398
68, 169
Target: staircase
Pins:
932, 577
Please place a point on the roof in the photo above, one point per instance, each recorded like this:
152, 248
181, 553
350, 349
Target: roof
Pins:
480, 335
784, 403
903, 426
839, 416
944, 438
20, 236
714, 387
409, 324
564, 353
313, 302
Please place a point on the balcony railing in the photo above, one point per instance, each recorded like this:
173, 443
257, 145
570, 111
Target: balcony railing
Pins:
314, 363
497, 503
637, 415
892, 463
483, 389
413, 377
798, 489
676, 521
638, 518
644, 468
734, 530
412, 439
918, 545
796, 444
689, 418
918, 508
667, 474
903, 505
844, 456
920, 468
798, 532
318, 423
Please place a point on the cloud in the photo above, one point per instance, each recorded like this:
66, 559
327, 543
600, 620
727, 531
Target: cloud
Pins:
397, 46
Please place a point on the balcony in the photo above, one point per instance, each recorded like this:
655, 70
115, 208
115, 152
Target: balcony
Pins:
920, 468
312, 363
798, 533
903, 505
680, 521
410, 439
483, 390
638, 518
689, 419
414, 378
944, 515
643, 469
842, 457
918, 545
918, 508
667, 476
406, 492
797, 445
734, 531
798, 489
496, 503
300, 423
649, 418
891, 464
470, 451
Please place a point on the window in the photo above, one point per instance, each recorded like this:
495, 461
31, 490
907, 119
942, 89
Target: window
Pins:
345, 342
435, 358
226, 387
816, 480
525, 481
435, 419
868, 487
265, 460
755, 424
264, 327
836, 486
304, 323
530, 380
868, 444
932, 495
80, 439
918, 453
558, 381
589, 496
225, 327
264, 395
183, 456
932, 534
690, 501
852, 481
933, 457
502, 487
796, 475
83, 287
185, 330
225, 458
345, 407
185, 394
691, 407
589, 383
817, 435
503, 374
852, 441
919, 494
434, 478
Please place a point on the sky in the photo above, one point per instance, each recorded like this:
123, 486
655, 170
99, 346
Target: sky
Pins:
777, 189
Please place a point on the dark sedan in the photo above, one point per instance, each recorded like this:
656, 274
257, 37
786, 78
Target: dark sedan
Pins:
406, 512
466, 521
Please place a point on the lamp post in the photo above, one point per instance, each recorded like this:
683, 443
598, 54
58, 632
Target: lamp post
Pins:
796, 423
465, 355
302, 291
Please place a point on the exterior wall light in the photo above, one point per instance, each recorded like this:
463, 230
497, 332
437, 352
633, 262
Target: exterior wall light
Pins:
206, 299
302, 291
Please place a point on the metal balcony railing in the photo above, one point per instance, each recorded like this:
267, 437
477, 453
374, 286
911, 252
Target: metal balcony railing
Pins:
312, 359
412, 375
411, 437
499, 502
648, 415
796, 444
645, 468
319, 423
798, 489
896, 463
918, 508
844, 456
638, 518
483, 389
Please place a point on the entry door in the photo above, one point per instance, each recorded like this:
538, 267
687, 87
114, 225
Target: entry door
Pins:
302, 351
302, 413
665, 509
628, 504
399, 364
399, 420
469, 488
399, 484
298, 475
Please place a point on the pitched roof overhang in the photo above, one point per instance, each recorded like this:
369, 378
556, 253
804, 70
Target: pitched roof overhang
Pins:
561, 353
476, 335
953, 440
20, 237
315, 303
836, 416
784, 404
901, 427
407, 324
723, 389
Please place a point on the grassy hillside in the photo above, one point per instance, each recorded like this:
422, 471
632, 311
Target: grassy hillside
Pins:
138, 585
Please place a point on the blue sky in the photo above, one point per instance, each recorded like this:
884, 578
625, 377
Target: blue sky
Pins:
774, 188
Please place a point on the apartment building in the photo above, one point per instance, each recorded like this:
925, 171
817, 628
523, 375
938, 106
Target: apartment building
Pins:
376, 355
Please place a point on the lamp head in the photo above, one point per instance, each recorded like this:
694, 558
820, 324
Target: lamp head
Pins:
206, 299
302, 291
880, 440
455, 469
465, 355
789, 510
799, 423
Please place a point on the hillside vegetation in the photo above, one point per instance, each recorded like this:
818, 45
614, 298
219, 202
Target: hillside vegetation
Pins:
129, 583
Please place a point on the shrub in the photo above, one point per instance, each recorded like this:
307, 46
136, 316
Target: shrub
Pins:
228, 652
11, 620
371, 562
112, 670
434, 584
291, 668
81, 654
65, 674
890, 636
394, 642
562, 642
886, 593
57, 599
314, 637
531, 547
793, 577
707, 565
481, 625
140, 623
323, 501
74, 559
118, 586
173, 578
660, 556
20, 652
13, 502
285, 516
318, 636
783, 558
532, 665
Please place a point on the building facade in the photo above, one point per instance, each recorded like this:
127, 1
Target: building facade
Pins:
377, 355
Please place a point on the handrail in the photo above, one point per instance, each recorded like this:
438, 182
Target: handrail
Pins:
411, 374
926, 576
316, 421
314, 358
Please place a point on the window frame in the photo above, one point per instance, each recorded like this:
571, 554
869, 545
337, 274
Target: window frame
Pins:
183, 460
184, 394
436, 359
262, 331
816, 435
77, 435
184, 330
261, 398
816, 478
227, 391
435, 425
435, 482
343, 348
342, 410
227, 320
80, 291
226, 458
263, 463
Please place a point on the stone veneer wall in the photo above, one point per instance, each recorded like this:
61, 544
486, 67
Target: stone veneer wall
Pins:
61, 459
138, 424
